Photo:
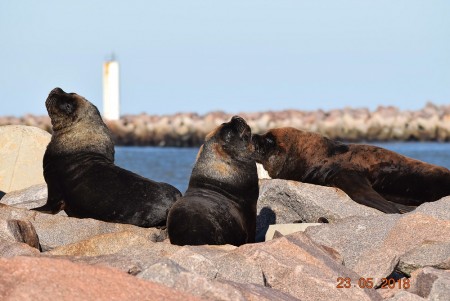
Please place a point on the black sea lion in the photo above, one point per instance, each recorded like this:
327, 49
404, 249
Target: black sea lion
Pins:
370, 175
80, 172
219, 206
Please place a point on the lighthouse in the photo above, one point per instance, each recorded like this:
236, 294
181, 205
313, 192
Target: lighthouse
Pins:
111, 91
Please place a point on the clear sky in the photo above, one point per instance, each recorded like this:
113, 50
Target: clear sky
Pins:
234, 55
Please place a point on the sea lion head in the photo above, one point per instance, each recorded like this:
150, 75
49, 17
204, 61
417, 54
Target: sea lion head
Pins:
226, 156
232, 138
77, 125
272, 149
66, 109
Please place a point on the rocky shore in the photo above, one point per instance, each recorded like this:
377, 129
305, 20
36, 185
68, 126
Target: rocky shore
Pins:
432, 123
323, 246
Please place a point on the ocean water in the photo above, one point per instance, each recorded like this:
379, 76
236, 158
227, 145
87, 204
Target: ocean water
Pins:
174, 165
162, 164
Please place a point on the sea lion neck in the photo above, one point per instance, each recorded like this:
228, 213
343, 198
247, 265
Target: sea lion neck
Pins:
80, 137
221, 173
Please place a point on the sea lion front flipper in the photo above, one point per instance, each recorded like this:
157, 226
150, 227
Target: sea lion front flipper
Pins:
51, 208
55, 202
358, 188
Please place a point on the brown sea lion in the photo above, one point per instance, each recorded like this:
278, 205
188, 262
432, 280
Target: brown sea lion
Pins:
370, 175
219, 206
81, 176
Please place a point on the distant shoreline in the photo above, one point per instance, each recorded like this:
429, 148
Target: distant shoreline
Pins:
431, 123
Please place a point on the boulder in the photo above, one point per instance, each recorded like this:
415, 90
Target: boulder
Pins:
285, 229
406, 242
285, 202
173, 275
253, 292
295, 265
105, 244
12, 249
405, 296
211, 262
125, 263
23, 231
429, 254
129, 251
218, 262
54, 230
28, 198
431, 283
22, 149
439, 209
27, 278
262, 173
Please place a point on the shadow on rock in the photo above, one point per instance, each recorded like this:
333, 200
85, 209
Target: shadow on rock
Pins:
265, 218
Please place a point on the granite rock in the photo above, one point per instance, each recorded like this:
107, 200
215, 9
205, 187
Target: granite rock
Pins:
295, 265
12, 249
23, 231
28, 198
173, 275
431, 283
405, 296
285, 202
105, 244
27, 278
375, 246
22, 149
54, 230
439, 209
428, 254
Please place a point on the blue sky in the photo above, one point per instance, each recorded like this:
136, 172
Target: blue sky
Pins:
243, 55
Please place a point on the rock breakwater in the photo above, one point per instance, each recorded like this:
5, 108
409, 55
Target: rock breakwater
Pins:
431, 123
347, 252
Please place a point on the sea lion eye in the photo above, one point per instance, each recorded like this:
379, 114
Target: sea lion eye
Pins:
67, 107
270, 141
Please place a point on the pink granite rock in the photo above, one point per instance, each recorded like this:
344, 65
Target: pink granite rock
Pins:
26, 278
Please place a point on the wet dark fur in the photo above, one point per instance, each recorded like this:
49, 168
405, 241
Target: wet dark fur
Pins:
80, 172
219, 206
370, 175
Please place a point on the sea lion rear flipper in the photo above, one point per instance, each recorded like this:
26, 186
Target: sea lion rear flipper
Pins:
404, 208
358, 188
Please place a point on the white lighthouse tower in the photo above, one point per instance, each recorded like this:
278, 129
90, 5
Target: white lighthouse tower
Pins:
111, 90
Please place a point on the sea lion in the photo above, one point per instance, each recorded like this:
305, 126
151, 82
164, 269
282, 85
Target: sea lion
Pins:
219, 206
81, 176
370, 175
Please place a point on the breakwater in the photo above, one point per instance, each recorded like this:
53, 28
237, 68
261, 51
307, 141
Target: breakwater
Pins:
431, 123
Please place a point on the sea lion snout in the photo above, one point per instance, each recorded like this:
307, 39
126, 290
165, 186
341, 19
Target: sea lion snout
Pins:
53, 97
257, 143
60, 103
56, 91
264, 145
242, 127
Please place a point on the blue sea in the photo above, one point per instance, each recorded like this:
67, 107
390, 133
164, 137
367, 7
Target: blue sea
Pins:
174, 165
